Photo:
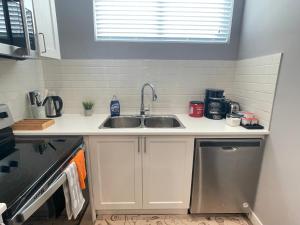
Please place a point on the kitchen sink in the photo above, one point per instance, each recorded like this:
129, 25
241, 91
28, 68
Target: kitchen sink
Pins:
122, 122
163, 121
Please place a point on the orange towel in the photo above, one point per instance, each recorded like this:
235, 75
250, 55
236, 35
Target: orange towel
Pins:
79, 160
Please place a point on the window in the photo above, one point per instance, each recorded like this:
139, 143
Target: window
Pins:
204, 21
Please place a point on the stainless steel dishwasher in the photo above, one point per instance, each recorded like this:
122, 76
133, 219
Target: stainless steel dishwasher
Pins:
225, 175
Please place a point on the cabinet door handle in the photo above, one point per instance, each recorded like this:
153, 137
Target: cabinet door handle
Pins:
145, 144
44, 42
139, 144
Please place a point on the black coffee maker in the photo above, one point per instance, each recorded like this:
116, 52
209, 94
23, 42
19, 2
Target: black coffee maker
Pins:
215, 106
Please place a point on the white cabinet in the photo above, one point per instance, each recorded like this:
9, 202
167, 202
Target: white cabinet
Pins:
46, 23
116, 172
141, 172
167, 172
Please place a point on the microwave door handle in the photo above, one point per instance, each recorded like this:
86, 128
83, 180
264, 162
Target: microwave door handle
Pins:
32, 207
25, 27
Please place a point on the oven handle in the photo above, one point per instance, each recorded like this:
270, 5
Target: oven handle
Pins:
34, 206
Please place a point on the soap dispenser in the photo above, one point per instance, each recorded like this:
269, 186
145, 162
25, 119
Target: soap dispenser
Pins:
115, 107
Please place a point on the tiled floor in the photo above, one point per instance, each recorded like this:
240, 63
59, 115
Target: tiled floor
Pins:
171, 220
156, 220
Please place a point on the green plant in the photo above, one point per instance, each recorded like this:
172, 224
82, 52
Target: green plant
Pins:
88, 105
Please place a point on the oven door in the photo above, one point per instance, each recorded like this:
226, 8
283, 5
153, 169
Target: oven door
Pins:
38, 200
43, 195
17, 29
53, 212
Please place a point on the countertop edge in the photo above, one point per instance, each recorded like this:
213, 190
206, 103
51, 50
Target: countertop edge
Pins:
135, 133
75, 124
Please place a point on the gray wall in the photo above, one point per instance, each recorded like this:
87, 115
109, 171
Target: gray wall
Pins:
75, 23
274, 26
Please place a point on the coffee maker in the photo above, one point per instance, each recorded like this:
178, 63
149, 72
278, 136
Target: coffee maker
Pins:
215, 106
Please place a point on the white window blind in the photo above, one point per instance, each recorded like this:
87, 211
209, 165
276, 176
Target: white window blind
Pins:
163, 20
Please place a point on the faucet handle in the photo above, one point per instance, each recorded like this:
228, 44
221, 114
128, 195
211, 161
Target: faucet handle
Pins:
147, 111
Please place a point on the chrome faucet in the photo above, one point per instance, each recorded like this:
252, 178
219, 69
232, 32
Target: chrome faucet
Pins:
154, 97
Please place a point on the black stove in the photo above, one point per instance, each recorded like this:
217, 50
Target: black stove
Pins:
26, 162
28, 165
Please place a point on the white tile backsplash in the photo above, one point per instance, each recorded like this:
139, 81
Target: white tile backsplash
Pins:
252, 82
254, 85
177, 82
17, 78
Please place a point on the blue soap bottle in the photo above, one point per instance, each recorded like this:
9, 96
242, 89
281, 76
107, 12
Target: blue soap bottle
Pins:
115, 107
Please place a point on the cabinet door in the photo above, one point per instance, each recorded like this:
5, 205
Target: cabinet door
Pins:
46, 23
167, 172
116, 172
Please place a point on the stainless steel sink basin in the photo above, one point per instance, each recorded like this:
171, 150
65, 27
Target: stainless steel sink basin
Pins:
140, 122
122, 122
163, 122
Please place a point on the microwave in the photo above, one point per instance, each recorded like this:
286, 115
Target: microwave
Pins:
18, 38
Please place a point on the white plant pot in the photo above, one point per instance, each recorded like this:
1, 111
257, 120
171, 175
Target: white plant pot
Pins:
88, 112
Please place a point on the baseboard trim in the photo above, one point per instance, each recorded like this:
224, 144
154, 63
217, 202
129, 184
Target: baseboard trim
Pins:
142, 211
254, 218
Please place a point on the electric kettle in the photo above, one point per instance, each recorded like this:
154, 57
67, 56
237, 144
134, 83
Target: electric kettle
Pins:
53, 106
234, 107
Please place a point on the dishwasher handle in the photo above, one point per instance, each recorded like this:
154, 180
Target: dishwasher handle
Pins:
230, 149
231, 143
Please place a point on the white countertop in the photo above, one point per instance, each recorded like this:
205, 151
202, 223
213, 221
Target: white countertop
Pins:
75, 124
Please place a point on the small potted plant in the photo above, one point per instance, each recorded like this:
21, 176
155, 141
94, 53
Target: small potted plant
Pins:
88, 107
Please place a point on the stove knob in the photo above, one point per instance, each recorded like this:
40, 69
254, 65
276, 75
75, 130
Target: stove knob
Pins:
13, 163
4, 169
3, 115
